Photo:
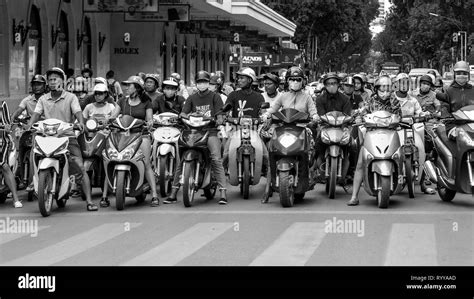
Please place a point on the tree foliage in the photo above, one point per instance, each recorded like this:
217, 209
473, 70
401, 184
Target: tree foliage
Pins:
328, 20
423, 39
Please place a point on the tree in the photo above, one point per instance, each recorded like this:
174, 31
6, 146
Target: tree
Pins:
329, 20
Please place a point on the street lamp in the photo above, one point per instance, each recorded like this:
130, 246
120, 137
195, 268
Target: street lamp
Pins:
461, 33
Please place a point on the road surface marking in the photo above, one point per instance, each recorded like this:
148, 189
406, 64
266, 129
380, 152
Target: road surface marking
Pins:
72, 246
5, 238
412, 244
294, 247
163, 211
181, 246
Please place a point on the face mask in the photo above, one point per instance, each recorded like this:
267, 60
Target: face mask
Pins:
461, 79
202, 86
424, 88
295, 86
169, 93
212, 87
332, 89
383, 94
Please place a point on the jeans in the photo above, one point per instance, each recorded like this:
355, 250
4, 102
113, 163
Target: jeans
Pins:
217, 170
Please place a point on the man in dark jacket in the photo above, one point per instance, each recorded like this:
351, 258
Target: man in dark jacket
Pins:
331, 100
458, 95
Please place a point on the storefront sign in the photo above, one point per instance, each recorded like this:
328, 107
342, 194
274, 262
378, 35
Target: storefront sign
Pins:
166, 13
132, 51
120, 6
252, 59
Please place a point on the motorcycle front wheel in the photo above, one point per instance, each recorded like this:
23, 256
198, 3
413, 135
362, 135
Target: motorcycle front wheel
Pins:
245, 177
121, 193
3, 197
383, 194
164, 180
409, 174
189, 183
332, 178
45, 195
446, 194
287, 198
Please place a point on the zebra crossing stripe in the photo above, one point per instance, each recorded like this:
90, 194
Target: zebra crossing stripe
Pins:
5, 238
294, 247
412, 244
181, 246
72, 246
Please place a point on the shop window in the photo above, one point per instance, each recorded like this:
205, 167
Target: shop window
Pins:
63, 42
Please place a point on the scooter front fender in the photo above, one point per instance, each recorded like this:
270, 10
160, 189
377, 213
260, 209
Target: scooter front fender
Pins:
383, 167
165, 149
285, 164
46, 163
334, 150
232, 166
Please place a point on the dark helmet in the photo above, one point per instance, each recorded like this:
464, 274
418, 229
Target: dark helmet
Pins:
203, 76
295, 71
38, 78
349, 80
87, 70
331, 75
221, 75
427, 78
154, 77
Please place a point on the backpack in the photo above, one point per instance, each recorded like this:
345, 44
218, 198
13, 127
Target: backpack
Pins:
112, 90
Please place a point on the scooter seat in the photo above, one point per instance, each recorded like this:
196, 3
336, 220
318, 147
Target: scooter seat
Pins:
441, 132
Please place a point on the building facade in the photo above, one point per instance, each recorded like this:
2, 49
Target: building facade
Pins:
180, 36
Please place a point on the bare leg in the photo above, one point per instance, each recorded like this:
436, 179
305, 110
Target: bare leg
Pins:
358, 177
10, 181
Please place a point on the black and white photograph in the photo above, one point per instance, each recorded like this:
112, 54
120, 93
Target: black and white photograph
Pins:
236, 145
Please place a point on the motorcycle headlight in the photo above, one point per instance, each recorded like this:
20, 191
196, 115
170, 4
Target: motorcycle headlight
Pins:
128, 153
112, 153
91, 125
287, 140
245, 133
325, 137
345, 138
50, 129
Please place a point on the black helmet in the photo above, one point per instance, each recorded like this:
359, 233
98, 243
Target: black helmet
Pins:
295, 71
427, 78
203, 76
331, 75
87, 70
38, 78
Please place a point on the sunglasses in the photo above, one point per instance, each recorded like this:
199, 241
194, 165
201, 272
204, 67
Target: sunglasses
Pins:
295, 79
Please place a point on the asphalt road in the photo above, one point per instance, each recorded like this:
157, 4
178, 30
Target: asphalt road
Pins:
318, 231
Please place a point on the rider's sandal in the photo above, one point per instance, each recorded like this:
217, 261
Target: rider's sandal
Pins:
104, 202
17, 204
430, 191
92, 207
353, 202
155, 201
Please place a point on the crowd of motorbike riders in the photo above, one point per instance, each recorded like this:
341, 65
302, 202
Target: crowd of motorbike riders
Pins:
245, 138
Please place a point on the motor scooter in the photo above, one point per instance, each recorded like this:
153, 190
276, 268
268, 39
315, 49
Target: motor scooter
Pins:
382, 156
124, 161
245, 152
165, 154
196, 158
453, 170
51, 163
291, 150
336, 133
92, 143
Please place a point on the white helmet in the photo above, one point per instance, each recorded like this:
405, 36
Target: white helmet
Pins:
246, 71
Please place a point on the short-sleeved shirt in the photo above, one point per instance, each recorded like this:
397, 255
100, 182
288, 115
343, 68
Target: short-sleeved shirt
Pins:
64, 108
138, 111
29, 103
159, 104
93, 109
427, 101
245, 103
207, 103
